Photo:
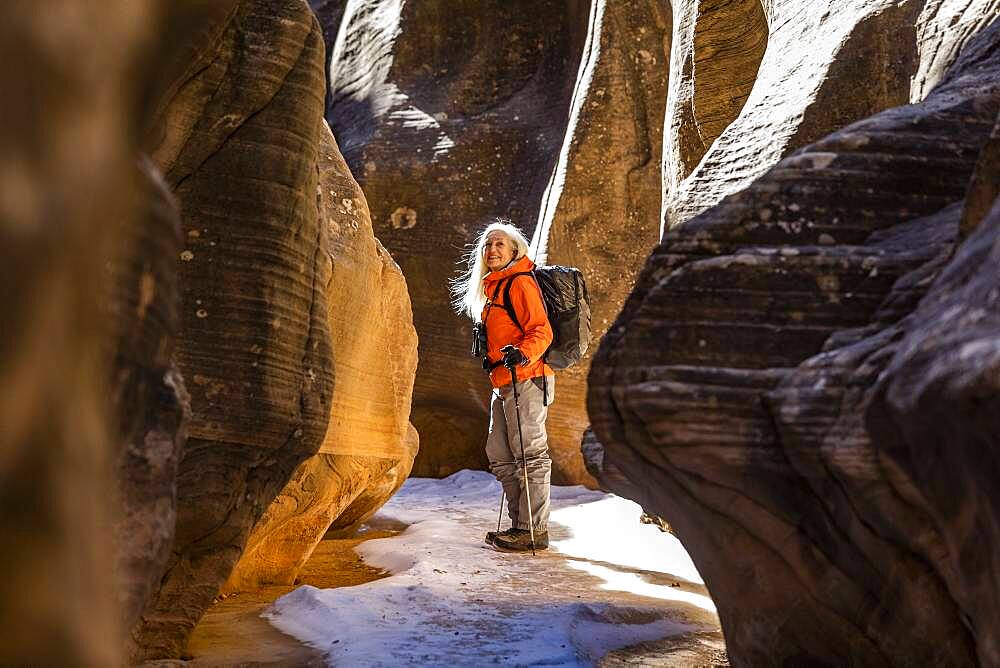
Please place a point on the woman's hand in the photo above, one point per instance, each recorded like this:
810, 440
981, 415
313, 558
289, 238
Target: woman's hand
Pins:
513, 357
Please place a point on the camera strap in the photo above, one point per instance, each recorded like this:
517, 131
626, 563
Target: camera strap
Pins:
488, 366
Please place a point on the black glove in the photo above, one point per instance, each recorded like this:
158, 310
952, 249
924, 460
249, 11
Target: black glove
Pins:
513, 357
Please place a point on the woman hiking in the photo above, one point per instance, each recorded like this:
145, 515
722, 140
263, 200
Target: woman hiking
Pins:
501, 296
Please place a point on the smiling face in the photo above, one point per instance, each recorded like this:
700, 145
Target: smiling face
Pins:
498, 250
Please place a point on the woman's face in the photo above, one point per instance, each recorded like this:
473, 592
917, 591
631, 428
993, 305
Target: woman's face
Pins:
498, 250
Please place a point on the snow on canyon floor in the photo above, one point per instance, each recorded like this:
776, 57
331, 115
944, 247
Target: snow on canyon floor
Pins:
607, 582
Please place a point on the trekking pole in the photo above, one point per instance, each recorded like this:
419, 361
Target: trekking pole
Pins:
524, 461
503, 495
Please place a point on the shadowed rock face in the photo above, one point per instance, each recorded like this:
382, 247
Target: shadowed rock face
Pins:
934, 416
374, 361
148, 392
451, 113
733, 390
87, 260
602, 210
239, 137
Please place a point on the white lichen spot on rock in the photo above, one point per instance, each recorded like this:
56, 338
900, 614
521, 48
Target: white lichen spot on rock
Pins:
187, 256
403, 218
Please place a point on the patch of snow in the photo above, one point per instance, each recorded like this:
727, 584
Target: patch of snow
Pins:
453, 600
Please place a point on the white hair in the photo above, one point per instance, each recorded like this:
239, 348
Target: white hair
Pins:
469, 296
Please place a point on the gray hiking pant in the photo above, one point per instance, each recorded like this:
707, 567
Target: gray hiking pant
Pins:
503, 449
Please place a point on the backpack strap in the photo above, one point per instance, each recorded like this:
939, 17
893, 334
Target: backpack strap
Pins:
506, 298
513, 316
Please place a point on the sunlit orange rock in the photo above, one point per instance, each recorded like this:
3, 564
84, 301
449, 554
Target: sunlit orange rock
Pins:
374, 360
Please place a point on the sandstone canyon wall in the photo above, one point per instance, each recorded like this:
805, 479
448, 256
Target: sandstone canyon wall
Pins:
805, 373
187, 331
370, 444
450, 114
290, 309
239, 150
753, 81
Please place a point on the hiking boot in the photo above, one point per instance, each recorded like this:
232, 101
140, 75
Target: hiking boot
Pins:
520, 541
492, 535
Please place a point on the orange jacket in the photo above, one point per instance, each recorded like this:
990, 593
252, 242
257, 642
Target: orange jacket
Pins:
526, 299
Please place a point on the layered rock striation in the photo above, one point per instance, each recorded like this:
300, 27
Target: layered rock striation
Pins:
781, 387
238, 147
369, 446
934, 418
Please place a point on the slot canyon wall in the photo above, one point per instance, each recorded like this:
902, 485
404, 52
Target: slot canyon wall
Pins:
290, 306
221, 348
804, 381
450, 114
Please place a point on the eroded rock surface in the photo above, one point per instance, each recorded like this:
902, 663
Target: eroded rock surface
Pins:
92, 405
934, 417
826, 64
374, 362
148, 397
451, 113
240, 132
732, 391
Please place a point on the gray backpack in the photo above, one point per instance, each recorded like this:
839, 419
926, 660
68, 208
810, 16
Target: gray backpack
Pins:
568, 306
